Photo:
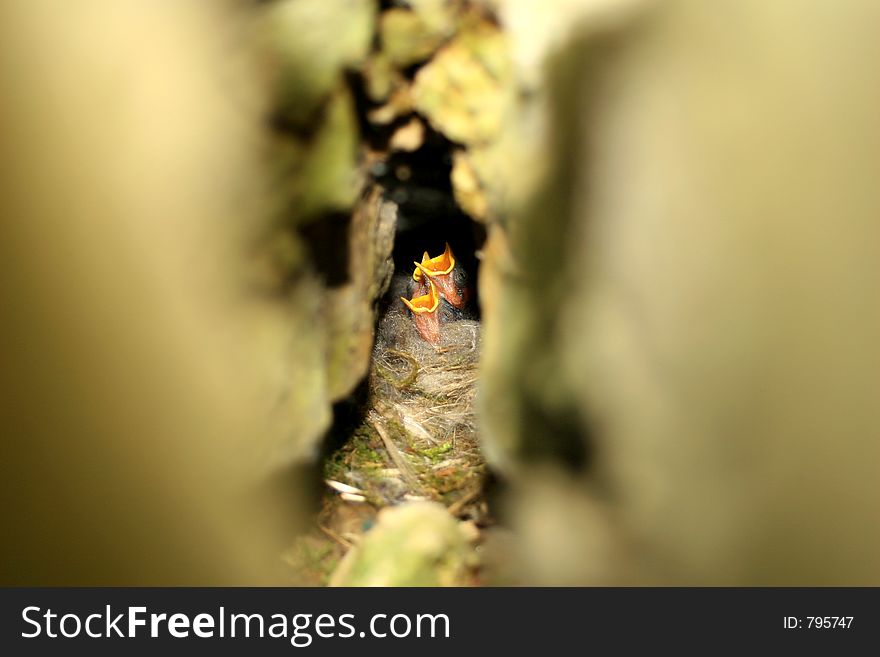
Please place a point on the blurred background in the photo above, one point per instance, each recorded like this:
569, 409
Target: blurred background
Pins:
666, 214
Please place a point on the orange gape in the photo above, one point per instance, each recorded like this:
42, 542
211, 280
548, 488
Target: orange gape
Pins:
424, 310
440, 270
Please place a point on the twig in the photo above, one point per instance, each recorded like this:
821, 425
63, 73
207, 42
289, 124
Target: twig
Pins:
395, 455
458, 505
336, 537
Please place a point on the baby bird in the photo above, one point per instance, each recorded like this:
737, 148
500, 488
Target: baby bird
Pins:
451, 280
424, 307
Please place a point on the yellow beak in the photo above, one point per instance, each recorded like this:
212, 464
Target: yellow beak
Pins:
437, 266
425, 315
427, 303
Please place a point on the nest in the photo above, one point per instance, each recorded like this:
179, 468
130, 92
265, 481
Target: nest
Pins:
418, 436
431, 388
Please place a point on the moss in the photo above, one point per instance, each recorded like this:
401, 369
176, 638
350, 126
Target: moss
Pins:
366, 453
397, 432
434, 453
360, 452
333, 467
450, 483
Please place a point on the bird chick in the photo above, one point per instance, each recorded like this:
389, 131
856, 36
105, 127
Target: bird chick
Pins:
451, 279
425, 308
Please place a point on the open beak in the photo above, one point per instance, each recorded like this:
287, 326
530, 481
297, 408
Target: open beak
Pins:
440, 270
439, 266
425, 315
